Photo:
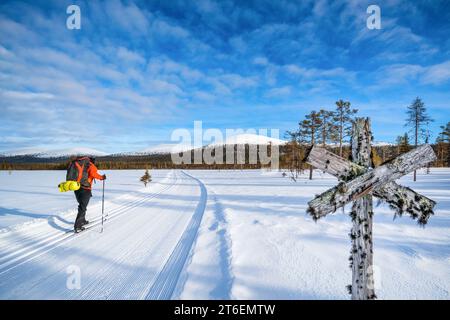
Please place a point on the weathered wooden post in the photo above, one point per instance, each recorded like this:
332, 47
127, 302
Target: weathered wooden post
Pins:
361, 259
358, 182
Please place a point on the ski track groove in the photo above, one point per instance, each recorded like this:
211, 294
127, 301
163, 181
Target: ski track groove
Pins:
39, 222
19, 260
106, 292
224, 286
164, 282
99, 289
167, 279
136, 289
46, 237
60, 270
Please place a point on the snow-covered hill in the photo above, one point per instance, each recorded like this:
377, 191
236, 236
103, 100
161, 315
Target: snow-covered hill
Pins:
167, 148
249, 138
164, 148
53, 153
374, 144
176, 148
381, 144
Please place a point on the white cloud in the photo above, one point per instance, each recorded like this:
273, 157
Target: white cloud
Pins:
5, 52
23, 95
11, 30
237, 81
437, 74
397, 74
262, 61
129, 56
279, 92
128, 16
203, 95
164, 29
296, 70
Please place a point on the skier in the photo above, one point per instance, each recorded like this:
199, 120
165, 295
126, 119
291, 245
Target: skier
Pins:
88, 172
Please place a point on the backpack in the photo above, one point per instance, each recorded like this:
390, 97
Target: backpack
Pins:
78, 171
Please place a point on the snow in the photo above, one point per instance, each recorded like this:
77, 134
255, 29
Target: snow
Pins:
167, 148
53, 153
210, 234
248, 138
232, 140
374, 144
163, 148
22, 152
381, 144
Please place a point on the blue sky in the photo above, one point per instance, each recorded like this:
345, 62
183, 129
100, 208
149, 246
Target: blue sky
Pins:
137, 70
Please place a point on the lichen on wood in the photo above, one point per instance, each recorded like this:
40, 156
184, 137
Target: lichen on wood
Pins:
372, 180
390, 193
362, 287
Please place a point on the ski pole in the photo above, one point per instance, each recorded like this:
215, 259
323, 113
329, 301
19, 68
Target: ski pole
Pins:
103, 202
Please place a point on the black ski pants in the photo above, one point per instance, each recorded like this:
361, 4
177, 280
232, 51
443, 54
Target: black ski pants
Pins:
83, 196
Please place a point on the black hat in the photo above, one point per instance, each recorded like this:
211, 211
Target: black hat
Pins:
92, 159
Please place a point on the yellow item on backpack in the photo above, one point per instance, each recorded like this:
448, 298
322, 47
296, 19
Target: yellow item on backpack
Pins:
69, 186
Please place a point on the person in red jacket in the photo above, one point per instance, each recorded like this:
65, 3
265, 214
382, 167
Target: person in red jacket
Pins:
84, 194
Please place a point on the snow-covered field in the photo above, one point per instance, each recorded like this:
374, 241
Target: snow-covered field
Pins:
209, 235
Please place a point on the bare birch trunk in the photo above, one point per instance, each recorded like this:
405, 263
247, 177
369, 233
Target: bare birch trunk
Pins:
362, 287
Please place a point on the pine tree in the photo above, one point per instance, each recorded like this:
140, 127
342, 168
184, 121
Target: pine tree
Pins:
309, 131
343, 117
417, 120
427, 141
291, 136
444, 136
377, 160
293, 155
443, 144
402, 144
327, 128
146, 178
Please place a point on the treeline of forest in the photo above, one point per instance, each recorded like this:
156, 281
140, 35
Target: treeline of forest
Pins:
291, 158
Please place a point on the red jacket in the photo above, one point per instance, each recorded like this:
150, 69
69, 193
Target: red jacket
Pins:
93, 174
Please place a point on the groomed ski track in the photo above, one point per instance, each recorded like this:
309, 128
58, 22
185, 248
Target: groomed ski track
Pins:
141, 253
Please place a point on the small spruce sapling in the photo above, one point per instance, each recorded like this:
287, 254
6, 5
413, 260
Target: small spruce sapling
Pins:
146, 178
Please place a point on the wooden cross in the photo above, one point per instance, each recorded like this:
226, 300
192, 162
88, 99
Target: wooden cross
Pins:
358, 182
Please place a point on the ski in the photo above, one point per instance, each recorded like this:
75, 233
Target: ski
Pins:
86, 228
